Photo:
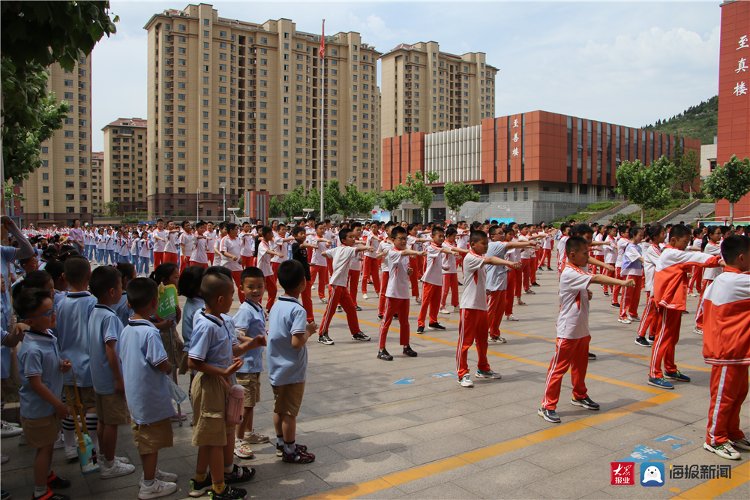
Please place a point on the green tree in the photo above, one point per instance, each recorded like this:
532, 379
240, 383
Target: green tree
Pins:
294, 202
458, 193
312, 200
393, 198
241, 206
730, 182
112, 208
34, 36
357, 202
686, 171
276, 206
648, 187
420, 193
333, 199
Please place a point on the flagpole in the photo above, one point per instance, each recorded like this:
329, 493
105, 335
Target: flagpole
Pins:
321, 167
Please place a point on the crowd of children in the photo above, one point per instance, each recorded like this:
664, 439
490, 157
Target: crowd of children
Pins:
96, 340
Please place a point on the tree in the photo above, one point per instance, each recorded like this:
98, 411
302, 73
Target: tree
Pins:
333, 199
419, 192
276, 206
241, 206
648, 187
686, 170
312, 200
393, 198
294, 202
357, 202
34, 36
730, 182
112, 208
458, 193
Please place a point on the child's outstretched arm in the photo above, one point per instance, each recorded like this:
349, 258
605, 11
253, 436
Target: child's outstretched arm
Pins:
602, 279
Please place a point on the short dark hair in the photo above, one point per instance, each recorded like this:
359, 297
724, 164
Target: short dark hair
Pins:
397, 230
55, 268
29, 300
733, 246
265, 231
679, 231
291, 274
126, 269
103, 279
35, 279
141, 292
214, 284
437, 229
189, 284
218, 270
344, 233
251, 272
451, 230
575, 243
163, 272
654, 230
297, 229
581, 229
477, 236
77, 271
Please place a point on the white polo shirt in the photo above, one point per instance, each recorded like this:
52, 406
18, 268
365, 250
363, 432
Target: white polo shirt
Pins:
573, 320
398, 276
342, 258
231, 246
433, 273
474, 295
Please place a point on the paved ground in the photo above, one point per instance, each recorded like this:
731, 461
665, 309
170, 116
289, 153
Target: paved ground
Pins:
407, 429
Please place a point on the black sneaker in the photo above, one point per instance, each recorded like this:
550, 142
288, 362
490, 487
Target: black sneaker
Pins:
380, 316
325, 339
339, 309
420, 330
549, 268
56, 482
642, 341
408, 351
299, 456
239, 475
585, 403
361, 337
606, 294
358, 308
651, 338
395, 316
548, 415
229, 493
535, 284
615, 304
280, 449
383, 354
436, 326
592, 356
198, 489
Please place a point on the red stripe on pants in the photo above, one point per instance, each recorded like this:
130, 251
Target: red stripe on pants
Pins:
271, 289
728, 392
381, 301
495, 311
306, 296
158, 259
341, 296
569, 353
450, 284
472, 327
631, 297
370, 270
649, 318
320, 272
430, 300
353, 281
236, 277
664, 346
400, 307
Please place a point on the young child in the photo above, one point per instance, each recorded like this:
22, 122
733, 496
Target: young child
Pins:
571, 349
318, 262
300, 249
670, 292
711, 246
265, 253
230, 247
397, 293
40, 365
450, 273
432, 279
497, 281
212, 350
104, 333
651, 314
632, 268
199, 255
250, 323
187, 244
122, 309
288, 332
385, 246
726, 347
145, 370
473, 323
73, 314
189, 286
342, 257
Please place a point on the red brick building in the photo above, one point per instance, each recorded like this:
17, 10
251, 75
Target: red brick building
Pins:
733, 136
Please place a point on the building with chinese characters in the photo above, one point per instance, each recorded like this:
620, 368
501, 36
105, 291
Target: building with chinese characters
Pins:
527, 167
733, 137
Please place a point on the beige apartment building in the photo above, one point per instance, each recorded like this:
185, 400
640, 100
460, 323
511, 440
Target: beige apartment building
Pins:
125, 163
233, 106
426, 90
97, 196
59, 191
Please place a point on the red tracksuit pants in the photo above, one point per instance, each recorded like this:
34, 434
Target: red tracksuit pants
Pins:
510, 291
169, 257
616, 288
247, 260
271, 289
306, 297
321, 273
699, 312
392, 307
631, 298
340, 296
696, 280
495, 310
416, 273
236, 277
526, 265
158, 259
664, 345
472, 328
546, 257
370, 271
650, 318
611, 274
184, 262
450, 284
381, 300
728, 392
569, 353
430, 300
353, 282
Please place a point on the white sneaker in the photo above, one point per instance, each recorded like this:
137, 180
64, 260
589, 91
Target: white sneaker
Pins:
8, 430
624, 321
167, 477
444, 311
156, 490
255, 438
466, 381
118, 469
724, 450
511, 318
242, 450
71, 452
418, 300
364, 296
60, 443
697, 331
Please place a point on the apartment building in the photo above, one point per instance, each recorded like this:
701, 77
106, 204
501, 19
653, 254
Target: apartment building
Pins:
59, 191
125, 163
233, 106
426, 90
97, 196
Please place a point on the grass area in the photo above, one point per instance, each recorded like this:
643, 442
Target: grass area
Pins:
653, 214
588, 211
699, 121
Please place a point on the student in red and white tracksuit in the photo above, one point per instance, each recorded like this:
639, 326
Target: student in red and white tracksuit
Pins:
266, 252
432, 281
160, 242
319, 264
712, 247
450, 273
397, 293
210, 243
199, 255
620, 243
632, 268
726, 347
610, 256
384, 247
670, 292
370, 267
651, 314
473, 326
247, 245
355, 266
573, 337
229, 248
696, 274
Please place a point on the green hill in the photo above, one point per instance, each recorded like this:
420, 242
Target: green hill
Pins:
697, 121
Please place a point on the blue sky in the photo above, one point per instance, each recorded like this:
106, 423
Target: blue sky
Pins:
629, 63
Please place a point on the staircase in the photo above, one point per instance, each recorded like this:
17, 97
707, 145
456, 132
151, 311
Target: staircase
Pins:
689, 214
630, 208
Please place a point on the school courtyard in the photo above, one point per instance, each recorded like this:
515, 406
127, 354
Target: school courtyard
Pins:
405, 428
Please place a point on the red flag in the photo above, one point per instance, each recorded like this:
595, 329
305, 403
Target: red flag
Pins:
322, 50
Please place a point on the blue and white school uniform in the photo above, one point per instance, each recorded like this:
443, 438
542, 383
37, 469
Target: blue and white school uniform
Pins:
252, 322
73, 314
286, 365
39, 355
104, 326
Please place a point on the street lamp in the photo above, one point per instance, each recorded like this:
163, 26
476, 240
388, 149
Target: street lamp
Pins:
197, 205
224, 198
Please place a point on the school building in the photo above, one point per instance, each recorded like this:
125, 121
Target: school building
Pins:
535, 166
